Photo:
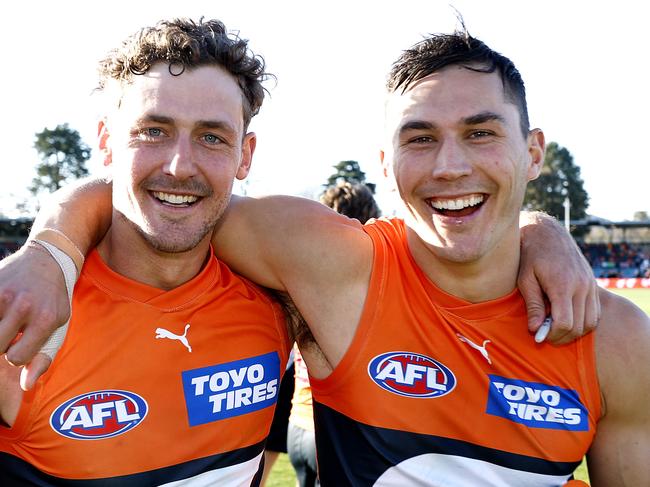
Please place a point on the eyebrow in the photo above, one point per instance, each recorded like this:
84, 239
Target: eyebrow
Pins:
477, 119
417, 125
204, 124
483, 117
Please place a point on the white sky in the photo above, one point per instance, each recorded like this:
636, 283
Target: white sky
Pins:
584, 64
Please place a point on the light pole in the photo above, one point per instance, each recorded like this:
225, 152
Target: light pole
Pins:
567, 214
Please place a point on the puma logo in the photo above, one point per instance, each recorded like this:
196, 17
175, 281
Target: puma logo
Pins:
480, 348
162, 333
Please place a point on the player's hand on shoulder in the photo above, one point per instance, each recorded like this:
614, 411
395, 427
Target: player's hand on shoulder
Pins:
555, 279
33, 304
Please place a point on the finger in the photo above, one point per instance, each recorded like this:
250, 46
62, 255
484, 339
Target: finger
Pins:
13, 319
575, 327
32, 371
592, 309
535, 305
36, 331
579, 305
6, 297
562, 313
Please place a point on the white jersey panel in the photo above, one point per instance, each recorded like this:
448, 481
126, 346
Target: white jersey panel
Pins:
437, 470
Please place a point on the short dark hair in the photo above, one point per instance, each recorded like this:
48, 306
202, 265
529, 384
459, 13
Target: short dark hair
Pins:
183, 44
352, 200
441, 50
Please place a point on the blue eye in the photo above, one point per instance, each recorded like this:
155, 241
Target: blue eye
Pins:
211, 139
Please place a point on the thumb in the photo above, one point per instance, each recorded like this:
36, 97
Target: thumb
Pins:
535, 305
32, 371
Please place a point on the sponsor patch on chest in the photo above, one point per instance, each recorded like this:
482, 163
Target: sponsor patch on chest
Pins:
411, 374
100, 414
536, 405
231, 389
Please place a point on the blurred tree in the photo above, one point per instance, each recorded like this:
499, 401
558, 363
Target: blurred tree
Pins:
641, 216
559, 179
63, 156
349, 171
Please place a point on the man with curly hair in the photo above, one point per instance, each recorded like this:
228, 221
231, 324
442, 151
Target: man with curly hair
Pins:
170, 369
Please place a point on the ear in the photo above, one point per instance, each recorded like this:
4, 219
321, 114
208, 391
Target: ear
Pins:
536, 150
387, 170
383, 164
102, 139
247, 149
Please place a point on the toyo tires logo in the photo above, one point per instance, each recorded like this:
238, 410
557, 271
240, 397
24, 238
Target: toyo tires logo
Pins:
411, 374
100, 414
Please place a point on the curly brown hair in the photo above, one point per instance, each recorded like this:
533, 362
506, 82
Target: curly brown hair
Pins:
182, 44
352, 200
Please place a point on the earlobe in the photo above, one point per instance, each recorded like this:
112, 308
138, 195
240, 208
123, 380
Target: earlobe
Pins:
247, 149
102, 139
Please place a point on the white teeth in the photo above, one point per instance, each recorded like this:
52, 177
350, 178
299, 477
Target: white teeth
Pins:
458, 203
175, 199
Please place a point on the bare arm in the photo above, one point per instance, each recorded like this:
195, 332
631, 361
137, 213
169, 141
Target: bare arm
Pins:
321, 258
33, 297
81, 210
553, 267
619, 454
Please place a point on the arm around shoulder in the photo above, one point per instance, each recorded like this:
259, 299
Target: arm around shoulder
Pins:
79, 213
278, 240
619, 454
33, 295
552, 263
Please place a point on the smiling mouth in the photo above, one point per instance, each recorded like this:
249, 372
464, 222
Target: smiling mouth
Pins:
457, 207
176, 200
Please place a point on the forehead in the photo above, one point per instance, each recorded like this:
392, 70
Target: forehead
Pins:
198, 94
448, 96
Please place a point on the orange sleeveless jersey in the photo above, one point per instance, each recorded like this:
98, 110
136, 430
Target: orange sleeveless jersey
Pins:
436, 391
153, 387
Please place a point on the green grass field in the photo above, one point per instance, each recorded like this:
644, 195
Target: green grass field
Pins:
282, 474
640, 297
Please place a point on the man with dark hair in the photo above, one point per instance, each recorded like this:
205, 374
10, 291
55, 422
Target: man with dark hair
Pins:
427, 375
170, 368
439, 386
382, 299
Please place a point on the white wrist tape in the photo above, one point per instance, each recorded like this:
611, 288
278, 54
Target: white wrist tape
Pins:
69, 270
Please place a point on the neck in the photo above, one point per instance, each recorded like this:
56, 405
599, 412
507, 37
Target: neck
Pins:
491, 276
126, 252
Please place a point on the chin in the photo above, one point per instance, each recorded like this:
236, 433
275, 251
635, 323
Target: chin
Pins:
456, 253
174, 244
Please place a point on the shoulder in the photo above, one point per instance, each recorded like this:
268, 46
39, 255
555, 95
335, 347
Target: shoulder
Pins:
622, 348
299, 232
622, 324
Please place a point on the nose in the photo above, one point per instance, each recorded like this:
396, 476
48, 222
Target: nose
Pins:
181, 164
451, 161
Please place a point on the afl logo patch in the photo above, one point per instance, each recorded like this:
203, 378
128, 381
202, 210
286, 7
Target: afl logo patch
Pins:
411, 374
98, 415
